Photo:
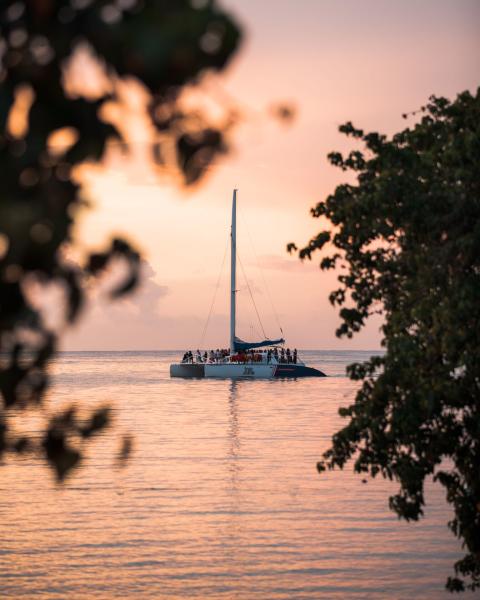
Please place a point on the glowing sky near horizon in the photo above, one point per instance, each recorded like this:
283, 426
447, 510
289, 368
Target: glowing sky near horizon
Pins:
367, 62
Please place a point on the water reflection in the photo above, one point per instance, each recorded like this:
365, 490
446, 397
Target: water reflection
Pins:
233, 434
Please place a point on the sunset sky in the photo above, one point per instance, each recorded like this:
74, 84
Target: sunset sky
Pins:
367, 62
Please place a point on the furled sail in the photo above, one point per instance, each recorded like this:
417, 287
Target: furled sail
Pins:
241, 345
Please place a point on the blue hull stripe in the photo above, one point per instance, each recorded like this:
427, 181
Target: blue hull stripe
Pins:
293, 370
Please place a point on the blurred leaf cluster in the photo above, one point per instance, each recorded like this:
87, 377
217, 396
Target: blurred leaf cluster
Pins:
407, 235
164, 45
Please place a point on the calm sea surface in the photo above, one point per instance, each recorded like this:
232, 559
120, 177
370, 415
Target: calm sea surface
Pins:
221, 498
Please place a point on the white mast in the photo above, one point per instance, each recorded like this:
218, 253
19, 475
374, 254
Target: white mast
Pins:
233, 265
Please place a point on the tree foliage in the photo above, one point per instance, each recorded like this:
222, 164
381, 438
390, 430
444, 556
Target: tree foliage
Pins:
163, 44
407, 233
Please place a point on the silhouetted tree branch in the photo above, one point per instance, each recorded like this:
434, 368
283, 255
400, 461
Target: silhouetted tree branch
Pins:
163, 44
408, 234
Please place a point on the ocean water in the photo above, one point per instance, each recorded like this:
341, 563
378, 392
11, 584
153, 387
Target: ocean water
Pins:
220, 499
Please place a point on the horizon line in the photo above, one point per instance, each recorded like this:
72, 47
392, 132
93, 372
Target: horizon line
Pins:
183, 349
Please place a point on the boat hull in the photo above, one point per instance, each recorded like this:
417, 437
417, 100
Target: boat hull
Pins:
242, 371
294, 370
187, 370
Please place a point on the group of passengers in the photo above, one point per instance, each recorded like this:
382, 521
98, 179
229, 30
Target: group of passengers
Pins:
280, 356
213, 356
284, 356
218, 355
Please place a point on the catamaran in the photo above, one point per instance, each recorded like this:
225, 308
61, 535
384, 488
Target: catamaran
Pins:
250, 360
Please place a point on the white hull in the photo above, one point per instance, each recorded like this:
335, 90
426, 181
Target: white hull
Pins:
234, 371
249, 370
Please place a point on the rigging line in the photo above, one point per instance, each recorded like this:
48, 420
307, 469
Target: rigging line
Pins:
251, 296
261, 273
202, 339
254, 332
253, 328
250, 318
